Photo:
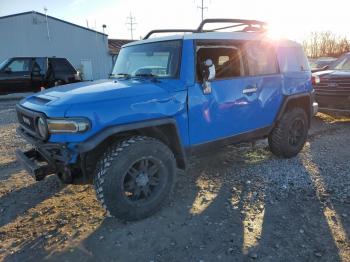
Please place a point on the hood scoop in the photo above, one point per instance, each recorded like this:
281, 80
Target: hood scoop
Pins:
41, 99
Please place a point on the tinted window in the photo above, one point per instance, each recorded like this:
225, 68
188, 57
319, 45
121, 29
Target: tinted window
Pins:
227, 60
261, 59
19, 65
292, 59
39, 64
61, 65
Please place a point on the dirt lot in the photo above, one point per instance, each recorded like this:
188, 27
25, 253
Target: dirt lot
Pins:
241, 204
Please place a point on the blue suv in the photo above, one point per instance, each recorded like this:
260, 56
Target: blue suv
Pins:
169, 98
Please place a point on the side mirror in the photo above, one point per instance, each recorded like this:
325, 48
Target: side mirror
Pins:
208, 73
325, 67
8, 70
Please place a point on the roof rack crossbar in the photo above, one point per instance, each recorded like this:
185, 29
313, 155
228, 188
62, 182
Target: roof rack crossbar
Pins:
240, 22
169, 31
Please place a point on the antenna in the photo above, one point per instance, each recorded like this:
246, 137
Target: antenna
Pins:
131, 22
47, 24
202, 7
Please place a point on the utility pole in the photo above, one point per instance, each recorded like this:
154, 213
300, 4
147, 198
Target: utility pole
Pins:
131, 23
202, 7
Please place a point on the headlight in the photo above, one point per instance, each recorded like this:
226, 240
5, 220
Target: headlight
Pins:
67, 125
42, 128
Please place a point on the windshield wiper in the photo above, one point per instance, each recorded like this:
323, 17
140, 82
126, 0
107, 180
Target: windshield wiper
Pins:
146, 75
150, 75
121, 75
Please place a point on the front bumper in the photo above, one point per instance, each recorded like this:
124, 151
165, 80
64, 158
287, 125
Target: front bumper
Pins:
30, 161
327, 102
44, 159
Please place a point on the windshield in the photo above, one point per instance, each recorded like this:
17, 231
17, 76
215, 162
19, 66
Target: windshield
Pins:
3, 63
343, 63
157, 59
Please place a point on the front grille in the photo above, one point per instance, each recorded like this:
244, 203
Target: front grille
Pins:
333, 86
27, 120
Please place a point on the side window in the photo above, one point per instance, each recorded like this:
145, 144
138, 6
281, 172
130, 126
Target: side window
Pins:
261, 58
227, 60
292, 59
39, 65
19, 65
62, 65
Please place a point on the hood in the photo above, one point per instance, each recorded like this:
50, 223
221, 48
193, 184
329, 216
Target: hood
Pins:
333, 74
97, 91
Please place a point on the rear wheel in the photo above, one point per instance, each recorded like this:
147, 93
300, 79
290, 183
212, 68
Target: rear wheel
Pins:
135, 177
290, 134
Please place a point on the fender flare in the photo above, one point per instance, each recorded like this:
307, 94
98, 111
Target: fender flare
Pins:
98, 138
289, 98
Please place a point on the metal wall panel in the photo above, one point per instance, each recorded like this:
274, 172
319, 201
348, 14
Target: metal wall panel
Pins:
27, 35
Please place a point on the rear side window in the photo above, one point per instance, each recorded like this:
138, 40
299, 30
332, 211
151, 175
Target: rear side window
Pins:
62, 65
261, 58
292, 59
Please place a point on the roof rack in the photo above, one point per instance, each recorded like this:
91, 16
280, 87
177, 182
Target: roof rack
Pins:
251, 26
169, 31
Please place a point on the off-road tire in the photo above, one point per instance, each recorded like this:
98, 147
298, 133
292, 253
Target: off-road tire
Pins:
113, 166
279, 137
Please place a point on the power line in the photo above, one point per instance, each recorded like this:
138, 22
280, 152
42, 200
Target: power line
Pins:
131, 22
202, 7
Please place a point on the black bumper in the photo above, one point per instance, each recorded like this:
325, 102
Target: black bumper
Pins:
44, 159
333, 102
34, 164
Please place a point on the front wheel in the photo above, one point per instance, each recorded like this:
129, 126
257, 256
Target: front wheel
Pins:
290, 134
135, 177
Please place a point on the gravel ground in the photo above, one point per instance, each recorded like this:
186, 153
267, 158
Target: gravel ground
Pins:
240, 204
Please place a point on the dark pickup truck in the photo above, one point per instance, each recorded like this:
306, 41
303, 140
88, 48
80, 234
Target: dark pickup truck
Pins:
31, 74
332, 85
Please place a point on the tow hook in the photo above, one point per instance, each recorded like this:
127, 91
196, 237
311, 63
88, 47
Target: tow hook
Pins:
66, 175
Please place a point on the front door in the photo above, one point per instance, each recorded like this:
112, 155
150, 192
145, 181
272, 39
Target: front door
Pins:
15, 77
246, 92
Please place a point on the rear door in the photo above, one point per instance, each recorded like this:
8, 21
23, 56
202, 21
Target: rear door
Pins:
263, 71
38, 73
16, 76
63, 71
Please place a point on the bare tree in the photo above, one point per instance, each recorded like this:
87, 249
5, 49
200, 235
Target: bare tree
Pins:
325, 44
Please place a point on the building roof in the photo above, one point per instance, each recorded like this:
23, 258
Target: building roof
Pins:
54, 18
116, 44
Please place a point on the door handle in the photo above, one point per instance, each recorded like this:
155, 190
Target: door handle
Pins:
26, 75
250, 90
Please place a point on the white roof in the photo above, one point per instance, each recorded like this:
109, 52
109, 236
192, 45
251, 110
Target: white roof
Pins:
216, 36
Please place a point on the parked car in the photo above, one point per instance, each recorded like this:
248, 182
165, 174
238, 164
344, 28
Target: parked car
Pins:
31, 74
332, 86
321, 63
128, 135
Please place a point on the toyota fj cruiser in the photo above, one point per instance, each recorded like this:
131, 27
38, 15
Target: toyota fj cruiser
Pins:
169, 98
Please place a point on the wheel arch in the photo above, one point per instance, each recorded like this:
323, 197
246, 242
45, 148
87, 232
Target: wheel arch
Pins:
303, 101
164, 130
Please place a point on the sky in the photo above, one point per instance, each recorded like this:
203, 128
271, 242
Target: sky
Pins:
293, 19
